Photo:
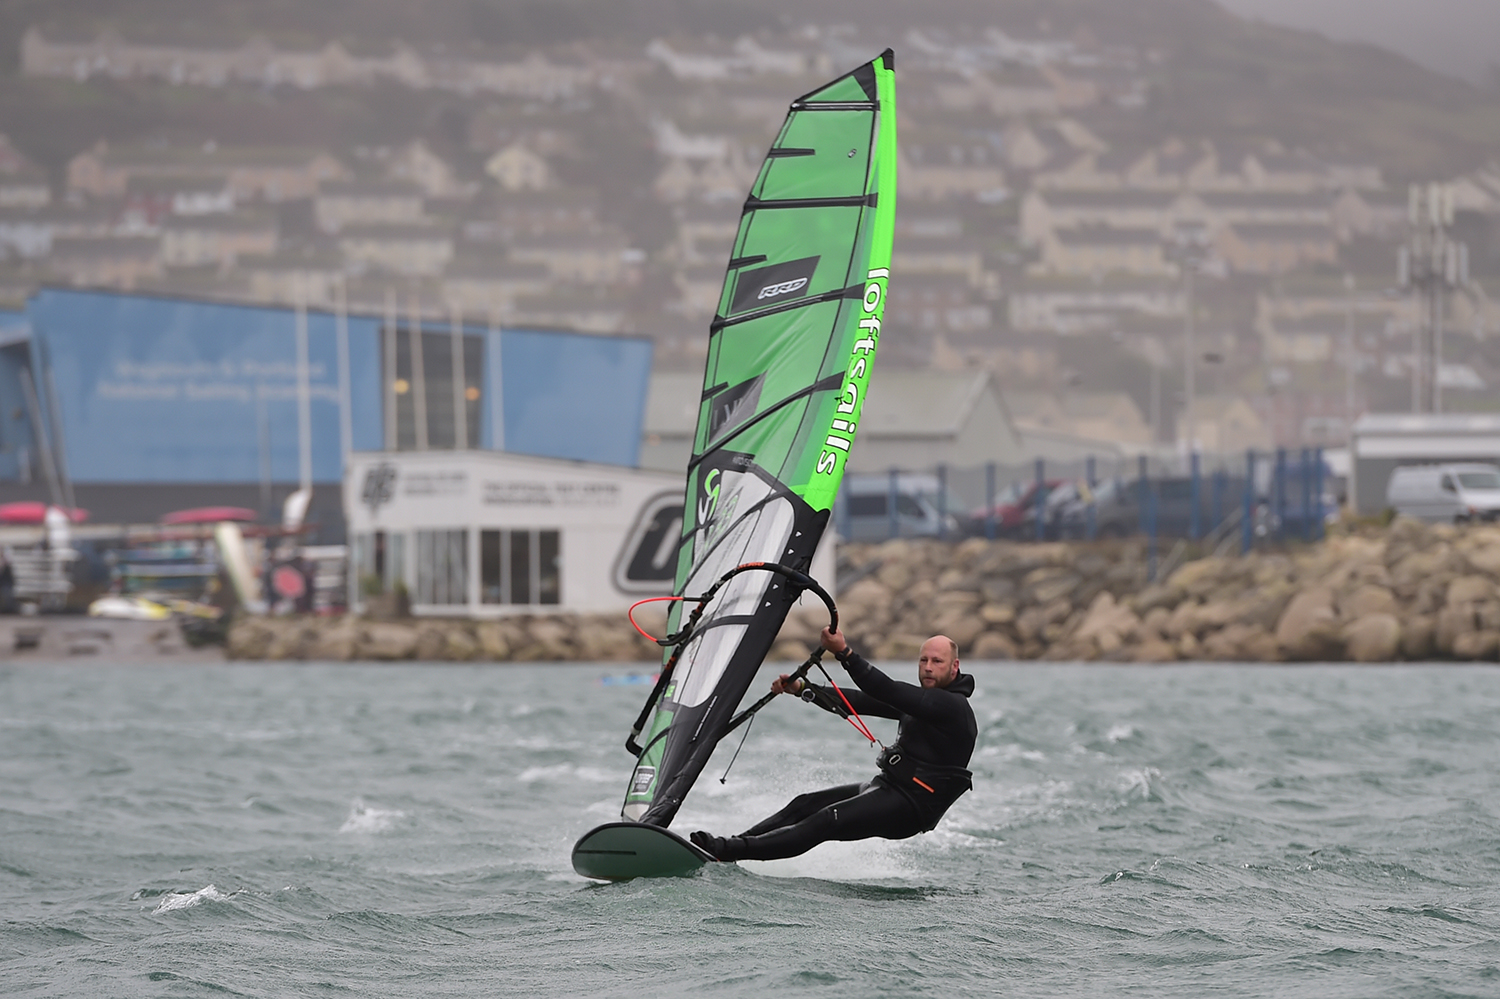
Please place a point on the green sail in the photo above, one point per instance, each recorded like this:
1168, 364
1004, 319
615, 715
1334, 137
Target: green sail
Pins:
789, 357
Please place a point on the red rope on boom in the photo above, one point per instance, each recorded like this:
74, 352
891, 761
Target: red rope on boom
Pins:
853, 717
631, 614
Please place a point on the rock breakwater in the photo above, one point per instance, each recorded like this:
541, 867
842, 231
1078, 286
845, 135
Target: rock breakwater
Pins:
1407, 592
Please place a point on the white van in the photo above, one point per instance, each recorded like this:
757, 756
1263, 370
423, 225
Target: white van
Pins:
863, 511
1449, 493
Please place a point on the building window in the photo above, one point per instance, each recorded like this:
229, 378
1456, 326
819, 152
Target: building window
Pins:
440, 405
520, 567
380, 562
442, 568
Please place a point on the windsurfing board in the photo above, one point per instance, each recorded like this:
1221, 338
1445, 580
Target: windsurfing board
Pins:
619, 851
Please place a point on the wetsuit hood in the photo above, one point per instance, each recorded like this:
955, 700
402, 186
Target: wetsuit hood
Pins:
962, 684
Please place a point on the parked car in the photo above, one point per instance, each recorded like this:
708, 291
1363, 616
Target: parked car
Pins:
1118, 511
1295, 509
1451, 493
1014, 510
864, 512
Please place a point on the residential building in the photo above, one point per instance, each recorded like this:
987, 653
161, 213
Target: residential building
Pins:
500, 216
490, 286
367, 202
250, 172
410, 248
937, 302
22, 183
901, 428
148, 200
959, 256
106, 261
1369, 212
519, 168
1275, 248
590, 258
1071, 305
587, 308
936, 173
1110, 418
1099, 250
196, 240
1227, 426
417, 163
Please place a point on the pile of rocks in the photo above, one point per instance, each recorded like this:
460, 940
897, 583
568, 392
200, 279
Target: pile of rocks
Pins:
543, 638
1411, 592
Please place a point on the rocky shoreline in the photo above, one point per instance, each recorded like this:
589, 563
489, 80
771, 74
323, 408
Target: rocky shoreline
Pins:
1409, 592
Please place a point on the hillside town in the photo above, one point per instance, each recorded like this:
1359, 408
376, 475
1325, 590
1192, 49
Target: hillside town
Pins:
1132, 291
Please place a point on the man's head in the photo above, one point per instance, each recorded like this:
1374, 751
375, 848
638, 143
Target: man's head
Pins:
937, 664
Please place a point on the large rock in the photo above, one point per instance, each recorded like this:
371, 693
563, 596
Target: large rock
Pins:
1365, 600
992, 645
1049, 584
867, 598
293, 637
998, 589
1484, 559
336, 640
1373, 638
1470, 590
1153, 650
963, 626
495, 640
900, 648
1107, 625
1417, 638
1471, 645
249, 638
387, 641
462, 646
432, 642
1240, 643
998, 613
1451, 623
1308, 629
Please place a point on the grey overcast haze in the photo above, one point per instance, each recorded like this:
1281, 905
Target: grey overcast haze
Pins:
1458, 37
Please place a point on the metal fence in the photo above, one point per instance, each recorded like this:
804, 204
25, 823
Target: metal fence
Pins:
1218, 501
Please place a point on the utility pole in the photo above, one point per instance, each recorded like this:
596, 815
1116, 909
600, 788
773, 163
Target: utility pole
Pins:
1189, 359
1430, 265
1349, 356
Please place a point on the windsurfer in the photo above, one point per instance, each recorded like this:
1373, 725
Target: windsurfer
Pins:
921, 774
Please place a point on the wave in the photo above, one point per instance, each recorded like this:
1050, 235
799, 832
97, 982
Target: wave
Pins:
366, 819
172, 901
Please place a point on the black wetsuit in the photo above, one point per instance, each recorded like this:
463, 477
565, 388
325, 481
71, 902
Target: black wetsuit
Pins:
921, 774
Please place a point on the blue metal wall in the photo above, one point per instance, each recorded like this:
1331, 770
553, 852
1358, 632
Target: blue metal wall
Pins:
15, 424
162, 390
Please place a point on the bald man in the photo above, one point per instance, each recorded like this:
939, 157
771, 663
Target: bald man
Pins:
921, 774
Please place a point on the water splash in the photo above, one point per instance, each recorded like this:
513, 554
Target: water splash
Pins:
172, 901
367, 819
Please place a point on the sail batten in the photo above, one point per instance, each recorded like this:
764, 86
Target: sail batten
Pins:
789, 355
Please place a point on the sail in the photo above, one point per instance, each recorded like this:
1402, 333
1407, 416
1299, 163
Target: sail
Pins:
789, 356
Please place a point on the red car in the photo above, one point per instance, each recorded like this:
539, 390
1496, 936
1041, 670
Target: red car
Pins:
1013, 509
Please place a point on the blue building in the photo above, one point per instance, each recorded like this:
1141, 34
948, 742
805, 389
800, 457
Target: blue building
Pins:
146, 404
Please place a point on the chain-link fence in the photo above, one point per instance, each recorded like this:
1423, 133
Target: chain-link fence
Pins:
1226, 503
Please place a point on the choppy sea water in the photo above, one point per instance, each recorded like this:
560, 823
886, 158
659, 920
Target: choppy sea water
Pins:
222, 830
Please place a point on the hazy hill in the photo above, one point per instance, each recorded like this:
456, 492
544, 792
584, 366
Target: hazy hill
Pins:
1219, 75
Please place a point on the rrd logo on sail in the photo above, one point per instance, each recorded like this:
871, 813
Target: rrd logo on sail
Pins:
841, 430
782, 288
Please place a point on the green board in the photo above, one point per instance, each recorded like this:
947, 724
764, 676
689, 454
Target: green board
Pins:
619, 851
